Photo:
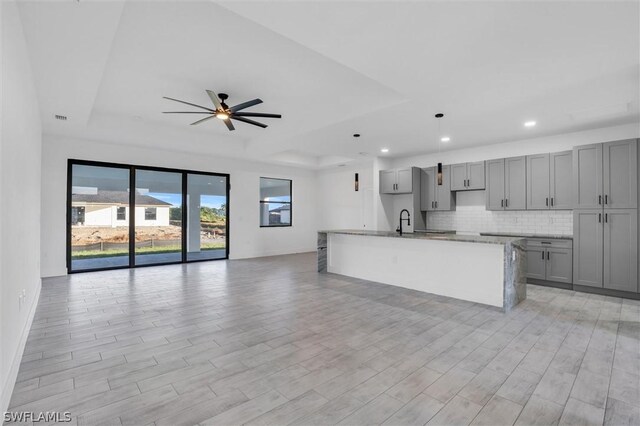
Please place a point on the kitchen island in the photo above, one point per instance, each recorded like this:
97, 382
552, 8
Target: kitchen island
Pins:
482, 269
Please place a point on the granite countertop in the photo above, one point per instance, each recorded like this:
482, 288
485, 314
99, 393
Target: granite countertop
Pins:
429, 236
525, 235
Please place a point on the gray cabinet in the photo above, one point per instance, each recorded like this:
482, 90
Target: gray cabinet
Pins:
436, 197
588, 248
550, 260
620, 249
560, 180
467, 176
605, 182
587, 176
538, 182
399, 181
495, 185
515, 183
620, 172
549, 181
506, 184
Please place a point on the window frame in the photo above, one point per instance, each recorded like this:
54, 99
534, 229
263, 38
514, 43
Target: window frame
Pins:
132, 168
290, 203
124, 213
148, 211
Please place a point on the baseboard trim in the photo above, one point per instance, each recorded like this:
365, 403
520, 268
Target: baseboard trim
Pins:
273, 253
553, 284
607, 292
7, 387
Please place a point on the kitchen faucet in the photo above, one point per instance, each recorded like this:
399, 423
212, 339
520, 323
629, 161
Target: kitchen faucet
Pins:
408, 219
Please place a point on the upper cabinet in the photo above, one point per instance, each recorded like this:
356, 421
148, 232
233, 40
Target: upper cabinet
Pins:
606, 175
549, 181
434, 197
506, 184
467, 176
400, 181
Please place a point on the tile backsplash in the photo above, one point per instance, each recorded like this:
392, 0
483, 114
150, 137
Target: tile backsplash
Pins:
471, 216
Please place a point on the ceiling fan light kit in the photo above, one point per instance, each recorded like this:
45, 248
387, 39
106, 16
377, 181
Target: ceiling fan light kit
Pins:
225, 113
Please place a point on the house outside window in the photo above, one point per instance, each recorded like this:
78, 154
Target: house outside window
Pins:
121, 213
275, 202
150, 213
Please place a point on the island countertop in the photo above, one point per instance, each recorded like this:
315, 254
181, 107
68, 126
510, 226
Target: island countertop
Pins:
485, 239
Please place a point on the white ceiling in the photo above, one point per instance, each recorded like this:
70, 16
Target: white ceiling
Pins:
334, 68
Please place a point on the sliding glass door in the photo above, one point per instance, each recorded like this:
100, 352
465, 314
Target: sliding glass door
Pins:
158, 217
207, 218
98, 226
172, 216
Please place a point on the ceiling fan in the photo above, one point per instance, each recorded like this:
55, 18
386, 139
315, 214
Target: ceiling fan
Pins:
225, 113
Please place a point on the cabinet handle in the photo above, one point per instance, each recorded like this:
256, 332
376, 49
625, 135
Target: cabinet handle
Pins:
599, 200
606, 218
547, 255
501, 203
606, 199
542, 254
547, 202
432, 206
551, 201
436, 204
599, 217
506, 202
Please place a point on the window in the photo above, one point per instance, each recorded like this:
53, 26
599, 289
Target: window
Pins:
121, 213
275, 202
150, 213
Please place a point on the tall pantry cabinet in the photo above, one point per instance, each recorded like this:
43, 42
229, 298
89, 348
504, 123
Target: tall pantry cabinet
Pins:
605, 216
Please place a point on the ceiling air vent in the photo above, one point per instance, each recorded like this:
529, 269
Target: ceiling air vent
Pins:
61, 117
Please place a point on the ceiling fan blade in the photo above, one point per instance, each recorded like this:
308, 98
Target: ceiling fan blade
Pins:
245, 105
204, 119
186, 112
189, 103
229, 124
256, 114
246, 120
214, 99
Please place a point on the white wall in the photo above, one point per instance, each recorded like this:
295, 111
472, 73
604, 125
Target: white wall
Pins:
340, 206
247, 239
19, 197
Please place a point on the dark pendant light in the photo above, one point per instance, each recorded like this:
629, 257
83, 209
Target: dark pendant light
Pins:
439, 175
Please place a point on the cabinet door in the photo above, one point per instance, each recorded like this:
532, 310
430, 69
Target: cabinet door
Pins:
443, 192
559, 265
515, 183
387, 181
621, 250
538, 197
620, 161
495, 185
536, 262
587, 176
427, 192
404, 181
458, 177
560, 176
588, 237
475, 175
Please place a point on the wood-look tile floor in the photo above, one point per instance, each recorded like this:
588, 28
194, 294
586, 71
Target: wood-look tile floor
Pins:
271, 341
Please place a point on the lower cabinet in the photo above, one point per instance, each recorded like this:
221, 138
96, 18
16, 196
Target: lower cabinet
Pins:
550, 260
606, 248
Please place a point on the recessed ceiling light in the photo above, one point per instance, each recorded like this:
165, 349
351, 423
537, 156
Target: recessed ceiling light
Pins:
529, 123
356, 135
384, 150
60, 117
445, 139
